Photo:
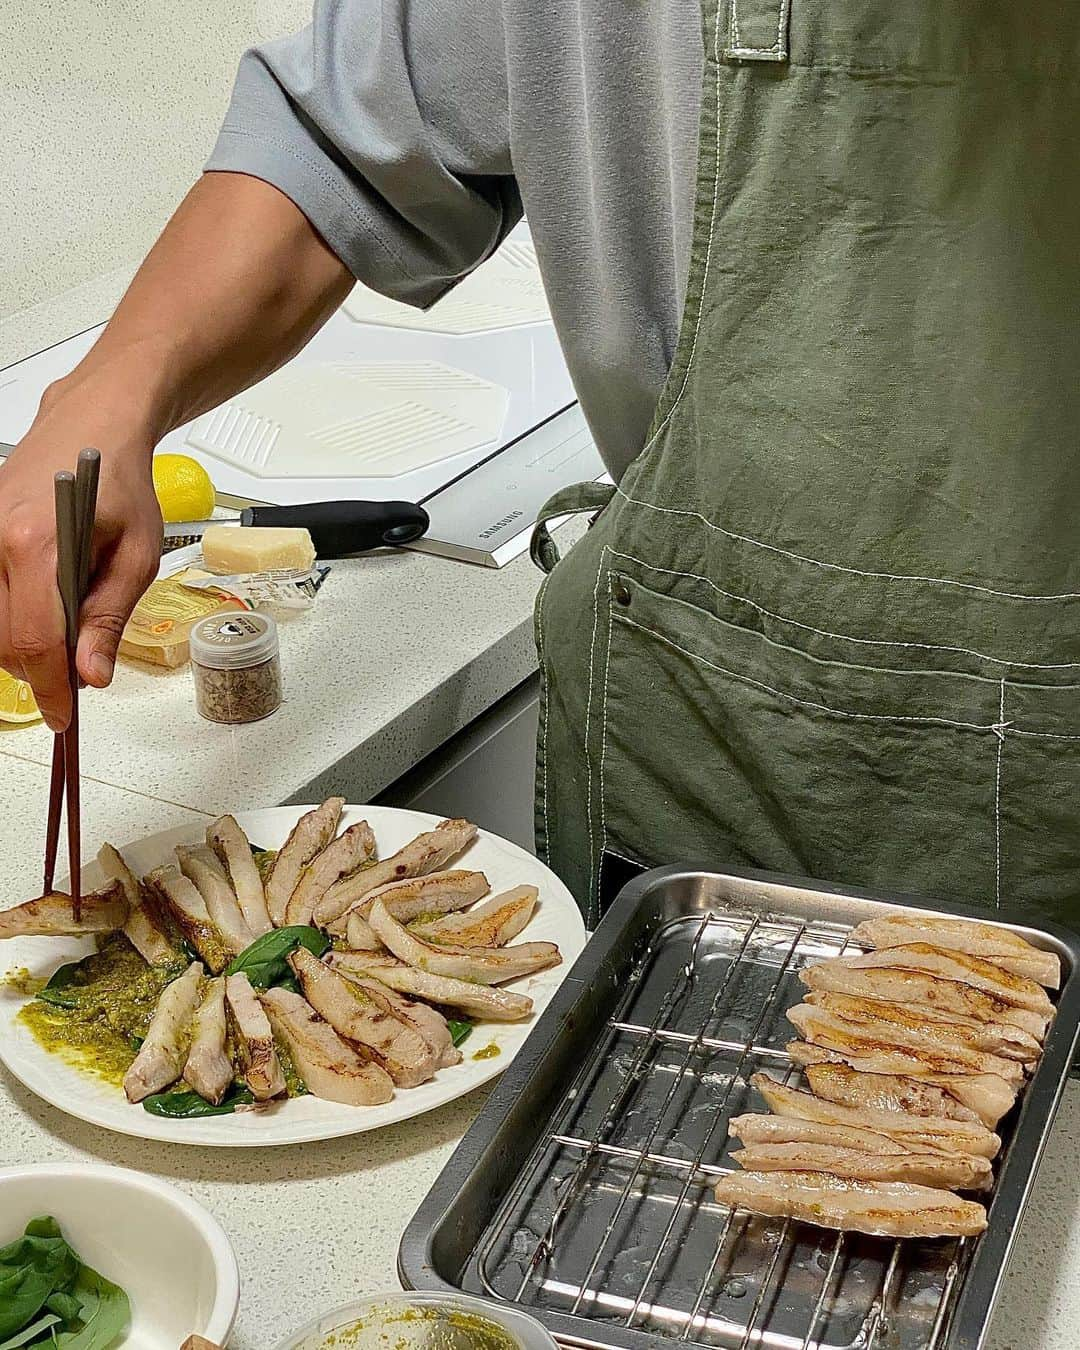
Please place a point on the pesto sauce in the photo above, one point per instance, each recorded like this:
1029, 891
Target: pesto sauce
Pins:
115, 995
488, 1051
473, 1331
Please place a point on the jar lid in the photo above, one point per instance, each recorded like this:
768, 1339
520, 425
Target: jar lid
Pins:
233, 641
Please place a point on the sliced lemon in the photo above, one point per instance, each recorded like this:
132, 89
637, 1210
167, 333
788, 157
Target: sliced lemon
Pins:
183, 488
17, 700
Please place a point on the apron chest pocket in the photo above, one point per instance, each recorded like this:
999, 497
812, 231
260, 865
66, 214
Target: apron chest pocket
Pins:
717, 745
757, 30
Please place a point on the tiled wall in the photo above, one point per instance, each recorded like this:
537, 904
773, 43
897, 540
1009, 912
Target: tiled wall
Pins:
107, 110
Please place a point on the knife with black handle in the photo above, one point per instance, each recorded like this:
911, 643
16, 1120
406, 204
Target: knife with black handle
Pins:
338, 529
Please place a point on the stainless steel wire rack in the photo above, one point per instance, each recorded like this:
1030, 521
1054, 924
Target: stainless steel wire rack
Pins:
589, 1201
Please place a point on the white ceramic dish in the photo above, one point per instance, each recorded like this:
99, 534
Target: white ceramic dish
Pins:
166, 1252
292, 1122
384, 1328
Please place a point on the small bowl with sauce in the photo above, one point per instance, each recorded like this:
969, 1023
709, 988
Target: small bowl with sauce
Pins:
421, 1322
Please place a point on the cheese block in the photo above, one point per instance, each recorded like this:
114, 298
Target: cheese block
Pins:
235, 550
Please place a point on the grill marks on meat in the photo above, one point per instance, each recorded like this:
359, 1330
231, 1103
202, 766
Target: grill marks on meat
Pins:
310, 835
987, 1095
884, 1209
438, 893
953, 1172
144, 929
921, 1134
987, 941
330, 1068
493, 1005
426, 853
898, 1050
163, 1053
479, 965
492, 924
366, 1020
53, 915
342, 857
942, 1028
927, 992
254, 1040
983, 975
185, 907
884, 1092
202, 868
233, 850
209, 1067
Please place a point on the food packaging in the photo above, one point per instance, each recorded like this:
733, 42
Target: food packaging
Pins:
159, 629
236, 667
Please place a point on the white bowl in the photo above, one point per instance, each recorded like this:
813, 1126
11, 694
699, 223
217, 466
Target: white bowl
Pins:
172, 1259
382, 1332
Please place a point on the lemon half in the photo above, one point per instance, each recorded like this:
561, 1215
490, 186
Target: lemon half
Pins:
183, 488
17, 700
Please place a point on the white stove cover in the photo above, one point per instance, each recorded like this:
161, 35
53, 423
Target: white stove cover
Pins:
340, 419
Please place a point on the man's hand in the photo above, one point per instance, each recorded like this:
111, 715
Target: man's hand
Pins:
238, 283
124, 559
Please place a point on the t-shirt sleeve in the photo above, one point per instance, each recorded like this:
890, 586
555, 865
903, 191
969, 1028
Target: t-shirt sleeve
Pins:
387, 123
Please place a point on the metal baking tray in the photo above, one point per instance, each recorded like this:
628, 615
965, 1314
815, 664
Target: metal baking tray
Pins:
583, 1195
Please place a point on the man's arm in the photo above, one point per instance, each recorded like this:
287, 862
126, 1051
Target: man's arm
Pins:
237, 284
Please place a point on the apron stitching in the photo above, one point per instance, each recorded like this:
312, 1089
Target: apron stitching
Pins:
736, 39
595, 881
847, 637
999, 731
807, 703
603, 750
547, 704
1043, 735
621, 856
839, 567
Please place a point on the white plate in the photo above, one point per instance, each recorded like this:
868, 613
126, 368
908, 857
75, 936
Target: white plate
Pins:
80, 1094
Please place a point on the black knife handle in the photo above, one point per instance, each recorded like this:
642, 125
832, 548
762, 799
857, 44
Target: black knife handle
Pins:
339, 529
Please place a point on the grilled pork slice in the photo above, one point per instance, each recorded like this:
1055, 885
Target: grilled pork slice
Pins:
202, 868
481, 965
330, 1068
902, 1049
144, 929
921, 1134
983, 975
209, 1067
426, 853
985, 1094
310, 835
52, 915
438, 893
493, 924
254, 1040
180, 899
952, 1172
233, 850
430, 1023
986, 940
478, 1000
342, 857
161, 1058
880, 1208
883, 1092
946, 1029
367, 1019
927, 992
764, 1129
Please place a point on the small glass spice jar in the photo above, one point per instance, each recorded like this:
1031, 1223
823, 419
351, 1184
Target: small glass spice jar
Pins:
237, 668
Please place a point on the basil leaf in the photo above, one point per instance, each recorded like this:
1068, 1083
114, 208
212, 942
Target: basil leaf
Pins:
66, 1306
31, 1269
60, 981
104, 1311
459, 1030
190, 1106
265, 962
32, 1332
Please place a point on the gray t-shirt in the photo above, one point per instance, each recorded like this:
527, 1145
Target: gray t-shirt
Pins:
412, 133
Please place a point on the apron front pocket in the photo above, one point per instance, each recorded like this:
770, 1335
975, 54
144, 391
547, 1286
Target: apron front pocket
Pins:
718, 745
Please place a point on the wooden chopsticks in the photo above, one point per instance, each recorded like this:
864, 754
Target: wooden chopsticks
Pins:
76, 506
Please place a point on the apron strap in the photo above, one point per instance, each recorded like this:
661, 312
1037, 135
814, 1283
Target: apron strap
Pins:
568, 501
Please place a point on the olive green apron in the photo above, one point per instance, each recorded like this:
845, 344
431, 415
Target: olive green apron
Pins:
829, 621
